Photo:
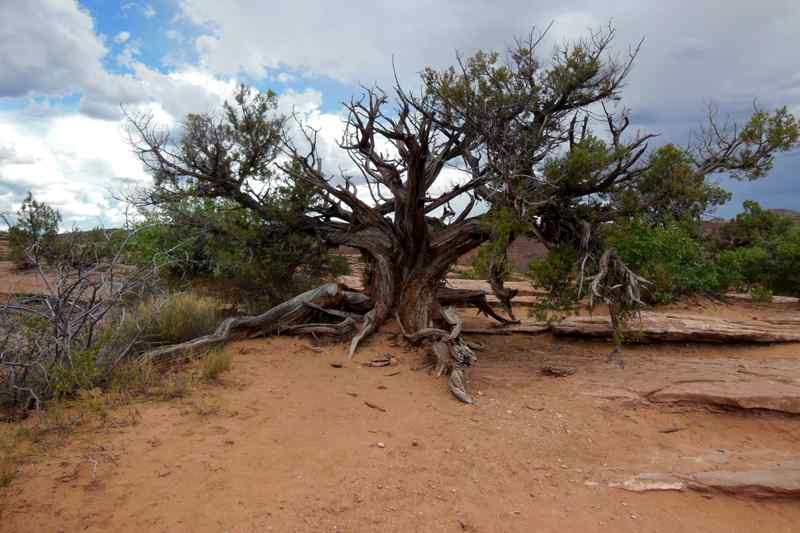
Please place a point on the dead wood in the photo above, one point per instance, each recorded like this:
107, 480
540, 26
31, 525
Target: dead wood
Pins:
453, 354
290, 317
448, 296
369, 326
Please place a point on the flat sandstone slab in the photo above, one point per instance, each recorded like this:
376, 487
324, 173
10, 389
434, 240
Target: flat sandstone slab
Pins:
684, 328
778, 480
756, 394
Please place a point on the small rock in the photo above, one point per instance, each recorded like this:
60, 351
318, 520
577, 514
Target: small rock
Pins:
558, 371
381, 445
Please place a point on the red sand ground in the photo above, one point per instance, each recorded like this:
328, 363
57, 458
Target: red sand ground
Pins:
294, 447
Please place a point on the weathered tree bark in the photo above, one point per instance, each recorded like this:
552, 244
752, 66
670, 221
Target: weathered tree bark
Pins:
504, 295
453, 354
468, 297
406, 274
290, 317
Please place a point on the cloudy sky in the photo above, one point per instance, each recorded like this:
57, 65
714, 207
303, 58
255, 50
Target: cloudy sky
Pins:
67, 67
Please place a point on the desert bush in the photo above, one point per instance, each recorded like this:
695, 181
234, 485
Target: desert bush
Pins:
136, 376
37, 364
177, 385
32, 236
671, 257
231, 253
770, 266
753, 226
556, 273
170, 319
215, 363
763, 247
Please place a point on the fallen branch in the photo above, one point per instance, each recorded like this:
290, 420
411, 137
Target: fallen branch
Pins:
467, 297
290, 317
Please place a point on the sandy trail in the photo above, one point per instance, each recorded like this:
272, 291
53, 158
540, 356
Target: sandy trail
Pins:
294, 447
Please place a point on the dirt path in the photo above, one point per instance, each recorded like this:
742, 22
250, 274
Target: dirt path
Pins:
293, 446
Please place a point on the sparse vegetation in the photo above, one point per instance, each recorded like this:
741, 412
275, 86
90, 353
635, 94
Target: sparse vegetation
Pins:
763, 249
173, 318
32, 237
215, 363
672, 258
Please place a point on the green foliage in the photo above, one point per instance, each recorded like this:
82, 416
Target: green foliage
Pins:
82, 371
670, 257
764, 248
761, 294
233, 253
769, 265
32, 237
763, 135
215, 363
753, 226
583, 164
670, 190
504, 224
556, 273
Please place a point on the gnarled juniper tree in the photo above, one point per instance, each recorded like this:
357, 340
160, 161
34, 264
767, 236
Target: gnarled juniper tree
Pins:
544, 139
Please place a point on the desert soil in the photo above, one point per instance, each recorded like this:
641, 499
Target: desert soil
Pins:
296, 444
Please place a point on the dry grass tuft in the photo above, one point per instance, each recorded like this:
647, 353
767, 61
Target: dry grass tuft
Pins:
215, 363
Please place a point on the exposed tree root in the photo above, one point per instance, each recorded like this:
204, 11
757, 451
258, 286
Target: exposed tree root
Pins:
453, 354
448, 296
370, 325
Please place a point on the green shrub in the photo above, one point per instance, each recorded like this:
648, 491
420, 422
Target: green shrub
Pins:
753, 226
81, 372
671, 258
761, 294
556, 273
32, 238
770, 265
231, 253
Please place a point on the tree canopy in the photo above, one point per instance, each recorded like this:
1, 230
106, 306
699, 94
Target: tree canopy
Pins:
544, 138
32, 236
